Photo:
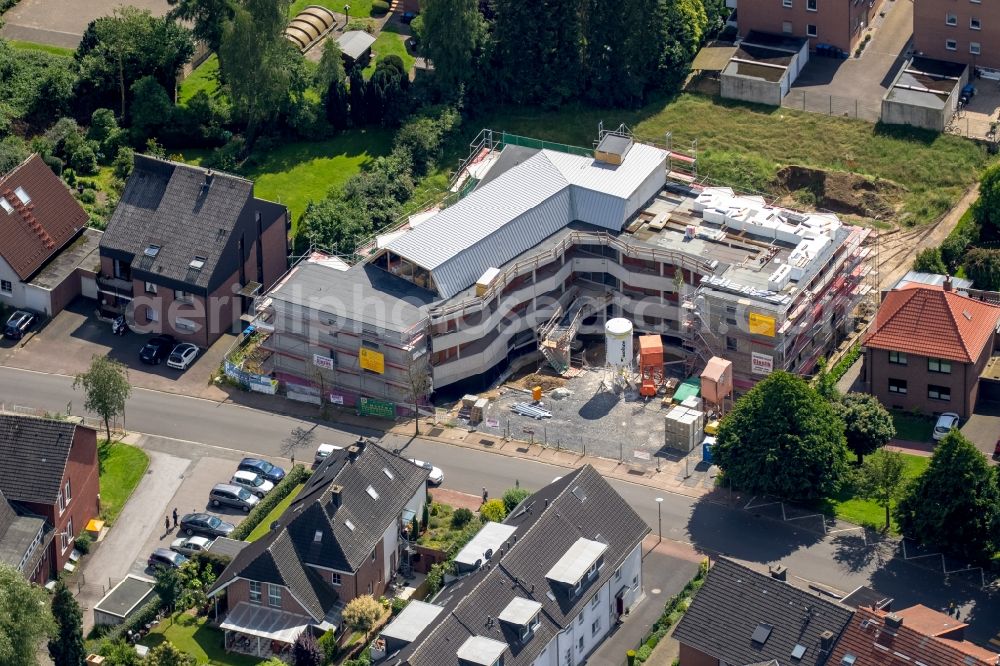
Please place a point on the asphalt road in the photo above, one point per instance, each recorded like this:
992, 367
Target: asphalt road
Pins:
842, 561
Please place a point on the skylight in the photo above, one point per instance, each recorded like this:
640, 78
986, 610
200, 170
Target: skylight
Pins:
6, 205
197, 263
385, 470
798, 651
372, 493
151, 250
349, 525
22, 195
761, 633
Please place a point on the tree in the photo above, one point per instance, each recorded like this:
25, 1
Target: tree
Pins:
982, 265
165, 654
208, 17
955, 504
358, 92
106, 388
66, 646
306, 652
104, 131
334, 224
683, 29
867, 425
782, 438
336, 104
414, 528
514, 496
987, 210
361, 613
119, 653
880, 479
169, 586
493, 511
419, 384
623, 50
425, 518
151, 108
24, 618
929, 260
330, 68
452, 34
13, 151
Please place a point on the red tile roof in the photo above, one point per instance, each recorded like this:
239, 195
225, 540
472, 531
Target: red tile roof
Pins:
928, 321
929, 621
873, 644
31, 233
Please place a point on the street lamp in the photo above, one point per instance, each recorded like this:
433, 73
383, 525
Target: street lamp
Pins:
659, 518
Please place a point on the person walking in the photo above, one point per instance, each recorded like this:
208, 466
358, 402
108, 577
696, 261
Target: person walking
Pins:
166, 525
486, 495
175, 517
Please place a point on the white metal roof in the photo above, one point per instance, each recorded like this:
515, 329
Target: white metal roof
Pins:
481, 650
520, 611
522, 206
572, 566
266, 622
413, 619
490, 537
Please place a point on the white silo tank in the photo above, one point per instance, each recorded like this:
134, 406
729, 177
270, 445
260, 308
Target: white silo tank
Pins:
618, 342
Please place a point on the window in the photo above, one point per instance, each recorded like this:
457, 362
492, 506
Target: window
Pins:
951, 44
67, 492
596, 600
786, 27
152, 315
273, 595
6, 287
595, 627
150, 288
731, 343
254, 592
66, 538
951, 19
974, 48
335, 579
62, 503
810, 30
373, 555
181, 295
974, 24
897, 386
579, 645
897, 358
938, 365
369, 588
579, 619
618, 573
786, 3
938, 392
811, 5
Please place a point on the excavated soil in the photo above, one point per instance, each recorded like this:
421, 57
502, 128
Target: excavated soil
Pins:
840, 192
547, 382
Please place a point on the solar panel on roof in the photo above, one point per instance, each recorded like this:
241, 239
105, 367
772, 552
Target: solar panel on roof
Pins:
761, 633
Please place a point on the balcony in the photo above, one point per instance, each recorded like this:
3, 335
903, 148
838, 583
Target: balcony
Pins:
114, 286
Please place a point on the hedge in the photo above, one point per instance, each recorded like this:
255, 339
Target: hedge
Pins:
379, 7
672, 612
297, 475
144, 616
845, 363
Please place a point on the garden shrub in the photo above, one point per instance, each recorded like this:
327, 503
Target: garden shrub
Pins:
379, 7
493, 511
328, 644
297, 475
144, 616
88, 196
398, 605
461, 518
84, 542
642, 654
514, 496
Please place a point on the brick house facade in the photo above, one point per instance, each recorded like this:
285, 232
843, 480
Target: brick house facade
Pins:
967, 31
841, 23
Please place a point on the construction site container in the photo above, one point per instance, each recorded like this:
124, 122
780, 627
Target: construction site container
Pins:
485, 280
684, 429
478, 410
536, 393
468, 400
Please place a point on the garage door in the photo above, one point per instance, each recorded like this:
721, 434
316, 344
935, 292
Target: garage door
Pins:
88, 286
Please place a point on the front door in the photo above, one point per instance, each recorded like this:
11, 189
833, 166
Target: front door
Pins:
620, 603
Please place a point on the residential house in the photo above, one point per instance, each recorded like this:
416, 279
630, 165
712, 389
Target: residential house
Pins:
554, 580
339, 539
24, 540
927, 349
961, 32
187, 249
915, 635
48, 256
50, 472
740, 616
839, 23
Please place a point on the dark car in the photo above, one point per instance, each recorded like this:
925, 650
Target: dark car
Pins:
206, 525
157, 349
408, 17
272, 473
229, 495
19, 323
164, 558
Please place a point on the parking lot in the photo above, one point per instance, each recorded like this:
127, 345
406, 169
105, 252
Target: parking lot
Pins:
65, 344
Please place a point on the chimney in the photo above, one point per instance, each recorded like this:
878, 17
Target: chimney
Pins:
893, 621
209, 175
335, 495
947, 283
826, 641
352, 452
780, 572
361, 443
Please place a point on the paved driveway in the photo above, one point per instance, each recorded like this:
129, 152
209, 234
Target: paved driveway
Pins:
854, 87
61, 23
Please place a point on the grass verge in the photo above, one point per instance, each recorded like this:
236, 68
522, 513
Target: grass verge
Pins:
193, 636
32, 46
265, 525
848, 506
359, 8
122, 467
204, 77
389, 43
912, 427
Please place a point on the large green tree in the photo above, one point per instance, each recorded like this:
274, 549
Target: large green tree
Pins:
452, 35
987, 209
66, 647
881, 478
929, 260
782, 438
684, 29
25, 619
106, 388
955, 504
151, 109
334, 224
624, 41
867, 424
207, 16
982, 265
165, 654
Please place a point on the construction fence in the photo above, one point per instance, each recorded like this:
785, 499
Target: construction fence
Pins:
832, 105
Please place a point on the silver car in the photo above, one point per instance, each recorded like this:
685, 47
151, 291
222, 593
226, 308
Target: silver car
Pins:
236, 496
255, 483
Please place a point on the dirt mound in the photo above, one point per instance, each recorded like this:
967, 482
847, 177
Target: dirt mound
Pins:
547, 382
840, 192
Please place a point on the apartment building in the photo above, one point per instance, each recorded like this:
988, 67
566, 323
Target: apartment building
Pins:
840, 23
547, 247
962, 31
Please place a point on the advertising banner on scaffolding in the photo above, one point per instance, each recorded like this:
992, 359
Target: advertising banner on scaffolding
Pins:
761, 364
372, 360
381, 408
324, 362
761, 324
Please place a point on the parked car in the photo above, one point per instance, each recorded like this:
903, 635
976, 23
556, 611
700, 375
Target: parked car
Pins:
19, 323
205, 525
156, 349
436, 477
272, 473
188, 546
253, 482
408, 17
325, 451
164, 558
945, 424
230, 495
182, 356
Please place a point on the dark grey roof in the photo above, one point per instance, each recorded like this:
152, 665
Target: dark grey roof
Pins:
548, 523
735, 601
126, 596
34, 451
167, 204
281, 556
867, 597
17, 534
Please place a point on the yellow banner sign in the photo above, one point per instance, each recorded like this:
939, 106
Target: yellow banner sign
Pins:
761, 324
372, 360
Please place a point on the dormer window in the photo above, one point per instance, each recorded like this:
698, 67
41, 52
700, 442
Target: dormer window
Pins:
151, 250
578, 566
528, 630
197, 263
522, 615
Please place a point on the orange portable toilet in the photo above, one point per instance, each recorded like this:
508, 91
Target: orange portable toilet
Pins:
536, 393
650, 364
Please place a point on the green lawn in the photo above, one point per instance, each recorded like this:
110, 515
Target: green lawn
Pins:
441, 535
359, 8
912, 428
32, 46
389, 43
934, 168
193, 636
265, 525
847, 506
122, 466
204, 77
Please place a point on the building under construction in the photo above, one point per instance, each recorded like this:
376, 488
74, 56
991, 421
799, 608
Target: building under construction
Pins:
539, 248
